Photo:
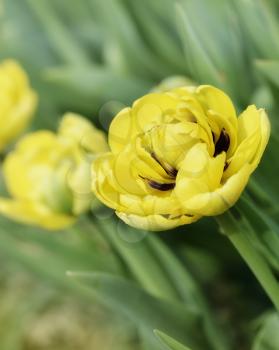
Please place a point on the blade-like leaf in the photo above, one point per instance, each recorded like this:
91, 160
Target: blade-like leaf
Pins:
270, 70
262, 230
171, 343
145, 310
268, 335
189, 291
198, 60
137, 256
238, 230
94, 84
121, 29
160, 38
255, 15
59, 37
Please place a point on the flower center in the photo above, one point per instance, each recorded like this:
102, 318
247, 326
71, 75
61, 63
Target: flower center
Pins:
223, 143
161, 186
169, 144
170, 171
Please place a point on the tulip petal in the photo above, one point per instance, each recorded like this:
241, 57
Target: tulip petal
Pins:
224, 125
198, 166
151, 204
254, 132
216, 100
34, 214
171, 142
125, 171
192, 106
26, 157
247, 122
155, 222
17, 101
83, 133
19, 116
101, 174
121, 130
220, 200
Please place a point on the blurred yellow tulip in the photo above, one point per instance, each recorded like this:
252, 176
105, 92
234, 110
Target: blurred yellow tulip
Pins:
172, 82
48, 174
17, 102
179, 155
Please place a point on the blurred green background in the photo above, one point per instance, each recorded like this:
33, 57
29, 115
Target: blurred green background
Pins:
94, 57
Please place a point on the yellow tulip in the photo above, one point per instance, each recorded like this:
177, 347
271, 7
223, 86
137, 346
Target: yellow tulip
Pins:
179, 155
48, 175
17, 102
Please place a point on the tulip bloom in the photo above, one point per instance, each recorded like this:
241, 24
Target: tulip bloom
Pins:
48, 174
17, 102
179, 155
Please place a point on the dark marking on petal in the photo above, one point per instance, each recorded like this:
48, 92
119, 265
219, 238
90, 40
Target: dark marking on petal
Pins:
158, 185
171, 217
171, 171
161, 186
213, 136
223, 143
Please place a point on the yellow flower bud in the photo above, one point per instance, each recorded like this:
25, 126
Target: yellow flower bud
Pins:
48, 174
17, 102
179, 155
172, 82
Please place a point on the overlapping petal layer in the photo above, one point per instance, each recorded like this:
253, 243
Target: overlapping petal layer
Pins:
177, 156
17, 101
48, 174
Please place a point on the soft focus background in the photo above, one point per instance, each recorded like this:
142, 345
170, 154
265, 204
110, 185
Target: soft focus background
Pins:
94, 57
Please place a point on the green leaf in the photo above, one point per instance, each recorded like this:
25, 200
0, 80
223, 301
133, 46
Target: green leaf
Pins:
60, 38
82, 87
262, 231
149, 342
268, 336
146, 311
198, 60
269, 69
137, 256
163, 41
59, 249
17, 24
255, 15
214, 56
238, 230
189, 291
121, 29
171, 343
178, 275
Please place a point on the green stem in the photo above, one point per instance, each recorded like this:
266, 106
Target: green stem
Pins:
236, 234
